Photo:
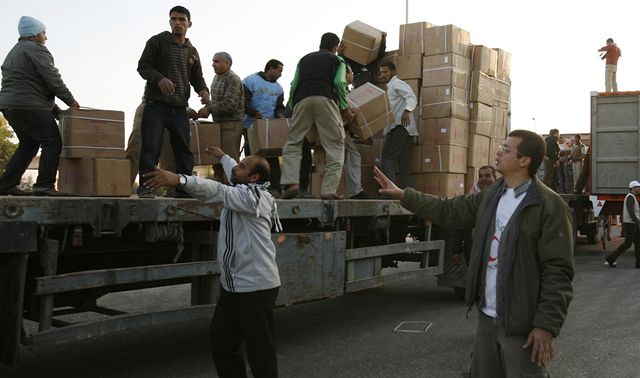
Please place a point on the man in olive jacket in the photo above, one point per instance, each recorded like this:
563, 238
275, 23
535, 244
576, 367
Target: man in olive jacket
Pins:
521, 264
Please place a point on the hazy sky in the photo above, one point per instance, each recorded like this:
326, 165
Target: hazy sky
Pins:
555, 66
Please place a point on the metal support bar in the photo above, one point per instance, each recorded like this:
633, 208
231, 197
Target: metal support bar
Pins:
49, 263
392, 249
13, 270
109, 277
376, 281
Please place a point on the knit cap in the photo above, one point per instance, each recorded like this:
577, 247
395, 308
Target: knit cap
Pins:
29, 27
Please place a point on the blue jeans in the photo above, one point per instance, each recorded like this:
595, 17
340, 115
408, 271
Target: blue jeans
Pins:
35, 129
158, 116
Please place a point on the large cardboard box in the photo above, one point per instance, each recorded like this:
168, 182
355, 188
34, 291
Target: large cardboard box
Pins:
504, 63
268, 136
409, 66
373, 111
502, 92
479, 150
482, 89
361, 42
370, 154
316, 184
412, 38
439, 184
480, 119
444, 102
204, 134
416, 86
95, 177
447, 39
441, 158
451, 131
485, 59
500, 123
446, 69
92, 133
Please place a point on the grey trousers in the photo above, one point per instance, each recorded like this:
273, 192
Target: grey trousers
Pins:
352, 167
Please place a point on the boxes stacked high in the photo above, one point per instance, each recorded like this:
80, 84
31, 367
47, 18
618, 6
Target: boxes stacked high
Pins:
204, 134
485, 59
447, 39
361, 42
413, 37
100, 177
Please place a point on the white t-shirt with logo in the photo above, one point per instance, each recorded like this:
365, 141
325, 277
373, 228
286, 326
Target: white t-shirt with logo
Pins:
506, 206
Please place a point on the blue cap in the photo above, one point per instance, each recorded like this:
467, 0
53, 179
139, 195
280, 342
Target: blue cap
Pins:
29, 27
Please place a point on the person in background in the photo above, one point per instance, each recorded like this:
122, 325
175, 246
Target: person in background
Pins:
577, 156
630, 226
364, 73
551, 159
30, 84
612, 54
563, 157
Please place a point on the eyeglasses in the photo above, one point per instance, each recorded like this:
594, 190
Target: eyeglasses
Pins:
504, 149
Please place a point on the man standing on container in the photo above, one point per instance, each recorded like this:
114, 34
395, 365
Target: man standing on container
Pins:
318, 95
521, 264
398, 137
249, 278
169, 63
30, 83
630, 226
551, 158
612, 54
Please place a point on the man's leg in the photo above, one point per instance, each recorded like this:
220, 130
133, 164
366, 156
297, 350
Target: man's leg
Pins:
486, 352
614, 78
134, 143
151, 131
608, 78
226, 337
275, 173
331, 133
549, 173
27, 149
306, 164
404, 161
392, 147
352, 167
629, 237
576, 167
255, 312
179, 134
301, 121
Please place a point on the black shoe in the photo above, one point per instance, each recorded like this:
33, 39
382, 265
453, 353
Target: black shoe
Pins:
361, 196
612, 264
15, 191
146, 193
48, 192
290, 194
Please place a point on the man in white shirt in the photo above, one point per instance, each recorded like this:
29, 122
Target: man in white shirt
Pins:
398, 136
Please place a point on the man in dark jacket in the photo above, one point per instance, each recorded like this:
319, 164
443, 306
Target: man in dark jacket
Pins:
521, 263
169, 63
30, 83
551, 159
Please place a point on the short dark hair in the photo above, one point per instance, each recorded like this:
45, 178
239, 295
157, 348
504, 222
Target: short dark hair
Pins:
272, 63
226, 56
554, 132
578, 137
181, 9
532, 145
610, 40
262, 168
493, 170
329, 41
389, 64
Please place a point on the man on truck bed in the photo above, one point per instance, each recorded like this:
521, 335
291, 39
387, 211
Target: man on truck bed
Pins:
249, 277
612, 55
630, 225
521, 263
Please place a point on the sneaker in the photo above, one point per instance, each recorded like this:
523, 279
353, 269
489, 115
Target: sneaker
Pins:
15, 191
612, 264
48, 192
146, 193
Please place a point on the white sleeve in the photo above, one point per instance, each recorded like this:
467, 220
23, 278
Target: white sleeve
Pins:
227, 164
405, 91
236, 198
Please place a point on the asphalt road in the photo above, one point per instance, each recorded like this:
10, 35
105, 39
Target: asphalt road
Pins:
353, 335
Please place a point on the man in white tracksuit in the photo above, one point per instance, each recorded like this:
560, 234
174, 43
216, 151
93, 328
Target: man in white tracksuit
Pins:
249, 276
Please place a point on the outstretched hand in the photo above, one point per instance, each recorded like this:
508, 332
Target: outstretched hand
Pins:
159, 178
387, 187
215, 151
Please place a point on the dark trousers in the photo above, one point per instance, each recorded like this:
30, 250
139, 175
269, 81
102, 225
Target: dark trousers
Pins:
631, 235
305, 165
35, 129
274, 164
396, 155
244, 317
158, 116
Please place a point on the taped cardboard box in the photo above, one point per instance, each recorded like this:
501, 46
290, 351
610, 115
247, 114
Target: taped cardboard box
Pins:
446, 69
361, 42
502, 92
443, 158
482, 89
412, 38
480, 119
479, 150
409, 66
204, 134
503, 63
95, 177
373, 111
371, 154
451, 131
447, 39
447, 185
268, 136
444, 102
92, 133
485, 59
500, 121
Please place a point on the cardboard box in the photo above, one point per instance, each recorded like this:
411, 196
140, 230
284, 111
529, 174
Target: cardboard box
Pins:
373, 111
441, 158
503, 63
482, 89
268, 136
203, 134
412, 38
446, 69
316, 184
95, 177
371, 154
447, 39
479, 150
480, 119
92, 133
502, 90
451, 131
439, 184
500, 120
361, 42
409, 66
444, 102
485, 59
319, 159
